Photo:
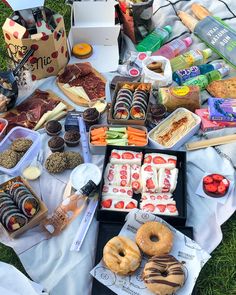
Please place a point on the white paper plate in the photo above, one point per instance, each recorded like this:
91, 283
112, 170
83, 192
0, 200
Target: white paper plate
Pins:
83, 173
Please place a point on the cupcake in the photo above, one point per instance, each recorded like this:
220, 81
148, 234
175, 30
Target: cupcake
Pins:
56, 144
91, 117
53, 128
72, 138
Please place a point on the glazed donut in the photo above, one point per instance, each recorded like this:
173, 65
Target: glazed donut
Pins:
154, 238
163, 275
121, 255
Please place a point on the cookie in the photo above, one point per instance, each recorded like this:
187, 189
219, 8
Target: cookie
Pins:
8, 159
21, 144
56, 163
223, 88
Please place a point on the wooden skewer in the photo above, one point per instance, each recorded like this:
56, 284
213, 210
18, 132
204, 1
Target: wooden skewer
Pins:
210, 142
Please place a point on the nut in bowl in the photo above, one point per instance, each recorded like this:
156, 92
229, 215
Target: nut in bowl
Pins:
215, 185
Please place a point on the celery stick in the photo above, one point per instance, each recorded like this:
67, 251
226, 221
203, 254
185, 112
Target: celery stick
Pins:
117, 129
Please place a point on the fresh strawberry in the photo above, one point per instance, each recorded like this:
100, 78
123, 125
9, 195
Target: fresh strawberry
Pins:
148, 168
217, 177
106, 203
123, 172
135, 176
131, 205
161, 207
139, 156
105, 189
129, 192
211, 188
225, 182
167, 172
127, 156
148, 160
150, 183
123, 183
207, 179
152, 197
172, 161
221, 189
119, 205
148, 207
122, 190
115, 190
115, 155
110, 177
171, 208
136, 185
123, 177
159, 160
124, 167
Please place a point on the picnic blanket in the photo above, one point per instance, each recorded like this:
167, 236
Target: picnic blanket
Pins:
50, 262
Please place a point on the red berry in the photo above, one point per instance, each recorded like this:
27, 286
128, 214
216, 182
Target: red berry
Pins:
172, 161
115, 155
106, 203
148, 160
135, 176
171, 208
211, 188
150, 183
148, 207
148, 168
159, 160
123, 183
221, 189
207, 179
119, 205
136, 185
123, 177
131, 205
122, 172
225, 182
217, 177
127, 156
161, 208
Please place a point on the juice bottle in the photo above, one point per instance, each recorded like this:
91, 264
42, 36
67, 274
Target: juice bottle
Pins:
174, 48
190, 58
155, 39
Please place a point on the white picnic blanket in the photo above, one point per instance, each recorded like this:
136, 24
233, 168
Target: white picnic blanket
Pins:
63, 272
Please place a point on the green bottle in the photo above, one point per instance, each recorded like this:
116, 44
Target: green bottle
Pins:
204, 80
155, 40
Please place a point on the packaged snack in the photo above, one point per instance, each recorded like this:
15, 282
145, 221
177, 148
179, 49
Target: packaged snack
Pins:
160, 160
222, 109
180, 96
125, 157
118, 203
149, 178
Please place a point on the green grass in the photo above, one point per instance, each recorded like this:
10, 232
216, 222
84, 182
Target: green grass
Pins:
218, 277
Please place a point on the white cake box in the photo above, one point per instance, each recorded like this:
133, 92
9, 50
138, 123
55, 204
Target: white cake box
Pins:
93, 22
182, 140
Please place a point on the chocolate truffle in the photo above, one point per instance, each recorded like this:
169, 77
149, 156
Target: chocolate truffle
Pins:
72, 138
53, 128
56, 144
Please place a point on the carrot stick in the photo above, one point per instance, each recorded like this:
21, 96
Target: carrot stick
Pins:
137, 134
98, 130
98, 143
129, 128
132, 137
98, 137
136, 142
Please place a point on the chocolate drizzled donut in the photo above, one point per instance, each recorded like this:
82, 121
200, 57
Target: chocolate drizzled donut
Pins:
163, 275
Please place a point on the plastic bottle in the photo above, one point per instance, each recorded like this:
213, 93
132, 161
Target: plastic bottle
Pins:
190, 58
155, 39
174, 48
68, 209
180, 76
203, 80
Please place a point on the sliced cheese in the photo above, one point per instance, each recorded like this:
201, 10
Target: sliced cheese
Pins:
78, 90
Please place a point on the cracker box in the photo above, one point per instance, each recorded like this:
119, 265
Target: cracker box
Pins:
50, 46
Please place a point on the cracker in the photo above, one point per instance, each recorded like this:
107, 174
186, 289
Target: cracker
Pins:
223, 88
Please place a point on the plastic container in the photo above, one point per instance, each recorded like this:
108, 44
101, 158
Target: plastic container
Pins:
174, 48
2, 133
190, 58
182, 140
100, 149
179, 195
155, 39
19, 132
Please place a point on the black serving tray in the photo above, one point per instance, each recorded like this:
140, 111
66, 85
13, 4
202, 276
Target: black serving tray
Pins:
108, 231
179, 194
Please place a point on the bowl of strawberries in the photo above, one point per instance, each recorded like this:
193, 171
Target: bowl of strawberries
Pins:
215, 185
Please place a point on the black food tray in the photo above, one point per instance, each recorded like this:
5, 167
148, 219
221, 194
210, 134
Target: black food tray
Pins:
179, 194
108, 231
